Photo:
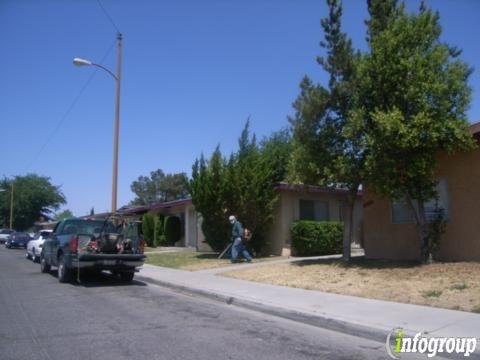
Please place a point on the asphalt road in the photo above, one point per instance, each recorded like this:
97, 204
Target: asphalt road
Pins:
103, 318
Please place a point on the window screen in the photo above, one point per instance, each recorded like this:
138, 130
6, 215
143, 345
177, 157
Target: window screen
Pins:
307, 210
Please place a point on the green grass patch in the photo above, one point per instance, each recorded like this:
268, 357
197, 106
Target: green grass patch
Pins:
459, 286
432, 293
178, 260
187, 260
476, 309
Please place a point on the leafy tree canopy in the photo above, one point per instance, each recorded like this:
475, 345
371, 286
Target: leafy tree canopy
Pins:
35, 197
65, 214
159, 187
415, 92
386, 112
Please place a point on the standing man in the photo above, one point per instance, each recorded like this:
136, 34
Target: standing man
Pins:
237, 245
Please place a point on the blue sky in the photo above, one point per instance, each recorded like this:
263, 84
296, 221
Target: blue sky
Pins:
193, 71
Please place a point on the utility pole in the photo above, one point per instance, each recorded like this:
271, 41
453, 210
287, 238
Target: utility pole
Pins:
117, 123
11, 207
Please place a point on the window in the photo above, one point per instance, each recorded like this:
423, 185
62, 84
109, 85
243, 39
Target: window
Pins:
402, 214
314, 210
432, 206
307, 210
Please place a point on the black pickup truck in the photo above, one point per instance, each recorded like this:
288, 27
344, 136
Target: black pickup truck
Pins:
78, 245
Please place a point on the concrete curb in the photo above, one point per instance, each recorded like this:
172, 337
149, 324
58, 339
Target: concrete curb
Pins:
318, 320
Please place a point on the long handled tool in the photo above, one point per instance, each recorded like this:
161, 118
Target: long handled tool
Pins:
225, 251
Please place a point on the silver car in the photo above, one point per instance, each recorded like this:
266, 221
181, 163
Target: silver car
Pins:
34, 247
4, 234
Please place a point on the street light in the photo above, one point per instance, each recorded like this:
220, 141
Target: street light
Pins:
11, 204
117, 77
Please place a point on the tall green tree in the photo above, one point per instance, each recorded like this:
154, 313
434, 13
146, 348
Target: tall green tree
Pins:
329, 131
207, 188
159, 187
252, 175
35, 197
65, 214
243, 185
416, 95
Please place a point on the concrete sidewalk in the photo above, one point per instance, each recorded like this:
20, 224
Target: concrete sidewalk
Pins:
372, 319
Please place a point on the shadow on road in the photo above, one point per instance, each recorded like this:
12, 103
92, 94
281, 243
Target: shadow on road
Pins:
103, 279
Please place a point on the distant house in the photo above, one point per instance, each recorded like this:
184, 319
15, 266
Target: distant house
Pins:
192, 235
389, 229
296, 202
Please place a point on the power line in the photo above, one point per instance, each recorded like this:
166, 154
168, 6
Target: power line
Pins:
70, 108
108, 16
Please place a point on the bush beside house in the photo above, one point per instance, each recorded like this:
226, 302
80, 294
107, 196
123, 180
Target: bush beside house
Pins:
159, 231
148, 224
317, 237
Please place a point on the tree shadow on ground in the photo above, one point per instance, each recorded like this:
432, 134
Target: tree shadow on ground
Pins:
359, 262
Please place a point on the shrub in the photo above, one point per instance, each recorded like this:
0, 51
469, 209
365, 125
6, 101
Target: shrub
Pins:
173, 229
160, 240
159, 230
317, 237
148, 222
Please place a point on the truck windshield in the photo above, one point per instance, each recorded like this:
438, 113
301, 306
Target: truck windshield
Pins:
89, 227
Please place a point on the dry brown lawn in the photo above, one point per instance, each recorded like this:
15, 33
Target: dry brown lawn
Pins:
447, 285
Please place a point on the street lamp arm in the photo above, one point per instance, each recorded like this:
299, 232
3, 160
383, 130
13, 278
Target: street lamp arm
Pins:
104, 68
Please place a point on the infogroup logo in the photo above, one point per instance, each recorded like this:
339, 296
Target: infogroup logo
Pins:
397, 343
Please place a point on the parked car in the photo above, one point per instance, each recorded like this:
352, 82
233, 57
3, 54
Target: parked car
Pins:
95, 245
4, 234
18, 239
34, 247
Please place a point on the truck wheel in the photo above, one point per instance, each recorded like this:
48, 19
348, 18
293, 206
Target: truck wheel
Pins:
127, 276
64, 273
44, 267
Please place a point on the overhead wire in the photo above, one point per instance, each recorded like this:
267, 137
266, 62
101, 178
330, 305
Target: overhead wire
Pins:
79, 94
108, 16
70, 108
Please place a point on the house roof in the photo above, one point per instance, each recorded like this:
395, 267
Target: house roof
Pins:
170, 204
145, 208
283, 186
475, 128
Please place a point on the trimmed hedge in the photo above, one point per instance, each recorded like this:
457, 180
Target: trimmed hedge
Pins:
159, 231
173, 229
317, 237
148, 222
